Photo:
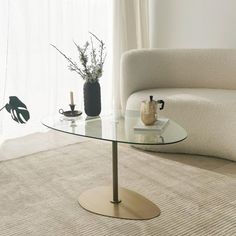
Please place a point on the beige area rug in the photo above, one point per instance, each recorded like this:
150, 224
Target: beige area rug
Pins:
36, 142
38, 193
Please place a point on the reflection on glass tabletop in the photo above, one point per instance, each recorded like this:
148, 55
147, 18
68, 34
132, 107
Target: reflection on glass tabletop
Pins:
119, 129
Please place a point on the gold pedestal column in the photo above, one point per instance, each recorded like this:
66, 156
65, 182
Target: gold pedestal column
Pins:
118, 202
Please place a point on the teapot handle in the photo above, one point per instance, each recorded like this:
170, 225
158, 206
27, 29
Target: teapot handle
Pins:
162, 104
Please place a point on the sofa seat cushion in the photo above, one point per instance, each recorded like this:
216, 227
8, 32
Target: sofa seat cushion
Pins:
208, 115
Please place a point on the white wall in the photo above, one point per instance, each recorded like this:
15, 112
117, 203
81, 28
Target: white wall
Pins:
193, 23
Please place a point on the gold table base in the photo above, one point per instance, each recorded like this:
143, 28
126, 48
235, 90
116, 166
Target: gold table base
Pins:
131, 205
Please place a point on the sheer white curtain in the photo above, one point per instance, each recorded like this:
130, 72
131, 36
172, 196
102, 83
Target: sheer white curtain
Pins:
34, 71
131, 24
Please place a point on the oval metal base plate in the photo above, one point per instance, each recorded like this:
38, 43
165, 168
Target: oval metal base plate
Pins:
132, 206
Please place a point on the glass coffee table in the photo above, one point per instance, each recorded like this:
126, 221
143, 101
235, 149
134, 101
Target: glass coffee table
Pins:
115, 201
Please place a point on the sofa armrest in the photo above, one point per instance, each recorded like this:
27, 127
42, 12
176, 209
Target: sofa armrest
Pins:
136, 74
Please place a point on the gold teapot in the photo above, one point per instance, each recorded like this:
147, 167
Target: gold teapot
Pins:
148, 110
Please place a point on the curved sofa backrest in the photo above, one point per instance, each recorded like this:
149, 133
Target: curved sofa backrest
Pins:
177, 68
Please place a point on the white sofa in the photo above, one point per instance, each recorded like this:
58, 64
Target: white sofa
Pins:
199, 90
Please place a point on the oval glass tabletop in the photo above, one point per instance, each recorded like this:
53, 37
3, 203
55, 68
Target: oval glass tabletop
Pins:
121, 129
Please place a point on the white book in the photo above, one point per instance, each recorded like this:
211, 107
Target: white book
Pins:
159, 125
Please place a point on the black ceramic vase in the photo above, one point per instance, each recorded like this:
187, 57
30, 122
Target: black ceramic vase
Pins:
92, 98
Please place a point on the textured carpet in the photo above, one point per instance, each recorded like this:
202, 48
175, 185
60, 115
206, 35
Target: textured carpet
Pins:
33, 143
38, 194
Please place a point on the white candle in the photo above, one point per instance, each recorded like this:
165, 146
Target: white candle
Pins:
71, 98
